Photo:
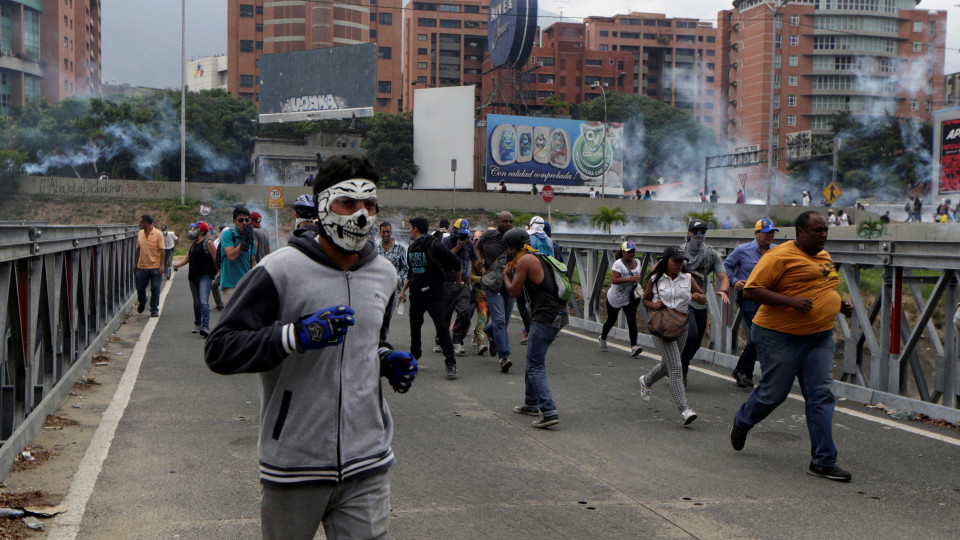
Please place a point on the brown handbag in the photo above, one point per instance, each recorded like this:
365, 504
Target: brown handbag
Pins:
667, 323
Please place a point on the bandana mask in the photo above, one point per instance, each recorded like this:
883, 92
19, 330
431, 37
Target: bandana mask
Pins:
696, 241
347, 232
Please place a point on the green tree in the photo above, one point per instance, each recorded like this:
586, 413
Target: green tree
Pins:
11, 164
704, 215
606, 217
389, 145
558, 104
659, 140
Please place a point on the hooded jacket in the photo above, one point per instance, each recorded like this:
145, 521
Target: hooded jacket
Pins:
322, 413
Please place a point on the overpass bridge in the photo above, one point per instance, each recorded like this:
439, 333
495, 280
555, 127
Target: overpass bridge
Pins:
174, 452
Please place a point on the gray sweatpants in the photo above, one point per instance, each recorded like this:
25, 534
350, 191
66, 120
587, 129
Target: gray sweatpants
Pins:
670, 364
352, 509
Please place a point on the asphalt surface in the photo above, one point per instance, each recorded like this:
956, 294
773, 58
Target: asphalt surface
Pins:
183, 463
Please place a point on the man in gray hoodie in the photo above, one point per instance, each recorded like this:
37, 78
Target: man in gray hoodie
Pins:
308, 320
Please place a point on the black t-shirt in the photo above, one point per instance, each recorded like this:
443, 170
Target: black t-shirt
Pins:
491, 247
201, 263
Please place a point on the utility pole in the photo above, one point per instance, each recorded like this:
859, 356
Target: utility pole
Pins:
771, 168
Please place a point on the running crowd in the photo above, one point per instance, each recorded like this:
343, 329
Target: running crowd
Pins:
312, 319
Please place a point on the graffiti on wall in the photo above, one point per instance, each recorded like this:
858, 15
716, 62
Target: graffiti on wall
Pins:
327, 102
126, 189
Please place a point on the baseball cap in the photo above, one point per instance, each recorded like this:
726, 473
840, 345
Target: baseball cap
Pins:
628, 246
255, 216
696, 224
675, 253
461, 226
202, 226
765, 225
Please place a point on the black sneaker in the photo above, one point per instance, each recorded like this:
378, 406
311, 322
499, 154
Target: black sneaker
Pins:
831, 472
451, 371
743, 381
546, 422
738, 437
154, 313
140, 308
505, 364
523, 409
204, 332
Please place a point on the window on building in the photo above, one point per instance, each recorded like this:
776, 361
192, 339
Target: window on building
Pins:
933, 28
604, 33
246, 10
710, 52
791, 100
386, 18
793, 60
711, 65
779, 38
384, 53
546, 60
246, 81
776, 80
779, 21
791, 80
449, 23
708, 119
917, 46
794, 20
246, 45
471, 9
373, 34
710, 78
791, 119
918, 26
384, 87
776, 101
259, 10
794, 40
259, 28
605, 47
422, 37
421, 51
776, 61
426, 22
449, 8
259, 45
914, 105
421, 79
711, 39
708, 105
421, 65
593, 62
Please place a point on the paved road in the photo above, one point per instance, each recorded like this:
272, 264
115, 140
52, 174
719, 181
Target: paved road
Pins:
183, 462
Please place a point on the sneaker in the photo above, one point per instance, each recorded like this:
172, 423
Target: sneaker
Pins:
523, 409
603, 344
523, 338
451, 371
743, 381
505, 364
483, 348
749, 381
688, 416
219, 307
645, 390
140, 308
459, 350
154, 313
546, 422
436, 348
738, 437
635, 351
204, 333
831, 472
196, 328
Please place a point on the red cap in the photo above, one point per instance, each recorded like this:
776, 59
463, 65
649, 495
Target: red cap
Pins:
203, 227
255, 216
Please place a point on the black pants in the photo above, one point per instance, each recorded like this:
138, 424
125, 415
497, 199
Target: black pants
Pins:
749, 355
433, 304
630, 312
458, 300
696, 327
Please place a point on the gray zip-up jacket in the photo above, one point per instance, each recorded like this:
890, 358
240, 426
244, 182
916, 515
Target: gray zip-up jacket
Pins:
322, 413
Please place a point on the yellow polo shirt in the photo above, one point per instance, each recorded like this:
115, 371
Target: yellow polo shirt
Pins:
151, 249
788, 270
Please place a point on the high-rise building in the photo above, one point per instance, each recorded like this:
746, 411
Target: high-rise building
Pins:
675, 60
444, 44
49, 49
257, 27
207, 73
821, 57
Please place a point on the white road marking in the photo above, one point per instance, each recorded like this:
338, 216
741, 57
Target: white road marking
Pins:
67, 525
863, 416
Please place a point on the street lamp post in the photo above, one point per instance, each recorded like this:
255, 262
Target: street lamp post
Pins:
773, 74
183, 101
603, 144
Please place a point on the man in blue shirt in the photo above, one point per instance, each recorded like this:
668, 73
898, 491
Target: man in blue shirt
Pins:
239, 252
739, 264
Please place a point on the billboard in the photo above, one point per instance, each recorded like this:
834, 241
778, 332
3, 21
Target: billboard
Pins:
443, 131
570, 155
511, 30
315, 80
950, 156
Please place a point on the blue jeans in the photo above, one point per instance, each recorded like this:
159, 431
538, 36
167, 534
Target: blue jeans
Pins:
499, 307
809, 359
155, 278
537, 388
200, 289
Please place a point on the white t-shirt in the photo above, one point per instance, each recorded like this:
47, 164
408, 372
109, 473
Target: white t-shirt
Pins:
832, 221
620, 295
674, 293
169, 238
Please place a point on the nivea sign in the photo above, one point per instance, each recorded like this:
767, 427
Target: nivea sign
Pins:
511, 31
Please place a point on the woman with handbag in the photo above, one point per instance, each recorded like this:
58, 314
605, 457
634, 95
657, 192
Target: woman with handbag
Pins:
202, 255
668, 292
625, 276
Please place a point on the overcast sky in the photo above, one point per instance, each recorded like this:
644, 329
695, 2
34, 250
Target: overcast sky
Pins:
141, 38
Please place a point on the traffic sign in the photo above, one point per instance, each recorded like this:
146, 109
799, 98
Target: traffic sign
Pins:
831, 193
547, 193
275, 195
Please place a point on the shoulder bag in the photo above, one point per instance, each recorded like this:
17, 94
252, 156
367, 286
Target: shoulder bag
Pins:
667, 323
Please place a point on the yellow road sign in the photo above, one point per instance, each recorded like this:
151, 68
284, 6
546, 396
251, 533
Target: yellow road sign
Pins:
275, 195
831, 193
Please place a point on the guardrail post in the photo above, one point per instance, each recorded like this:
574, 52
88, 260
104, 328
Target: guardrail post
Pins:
889, 364
950, 356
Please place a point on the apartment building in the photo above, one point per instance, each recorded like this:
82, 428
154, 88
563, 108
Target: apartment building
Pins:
867, 57
675, 60
257, 27
444, 44
49, 49
560, 65
951, 90
207, 73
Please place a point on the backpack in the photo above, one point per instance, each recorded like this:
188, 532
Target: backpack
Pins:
907, 208
543, 245
564, 290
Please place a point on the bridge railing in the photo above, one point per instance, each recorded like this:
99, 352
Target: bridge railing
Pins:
876, 362
63, 291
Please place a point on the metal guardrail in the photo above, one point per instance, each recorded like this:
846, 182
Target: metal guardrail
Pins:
876, 364
63, 291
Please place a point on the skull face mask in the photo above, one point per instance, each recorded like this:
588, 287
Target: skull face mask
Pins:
349, 233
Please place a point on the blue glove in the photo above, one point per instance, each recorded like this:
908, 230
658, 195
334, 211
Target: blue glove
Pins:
324, 328
400, 368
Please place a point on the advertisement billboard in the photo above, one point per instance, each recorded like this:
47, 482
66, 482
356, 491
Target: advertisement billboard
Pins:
949, 181
571, 155
314, 80
511, 30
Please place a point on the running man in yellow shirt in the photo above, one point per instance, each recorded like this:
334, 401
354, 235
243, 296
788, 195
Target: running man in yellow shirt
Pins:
796, 285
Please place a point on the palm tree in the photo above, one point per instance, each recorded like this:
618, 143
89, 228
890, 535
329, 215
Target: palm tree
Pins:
606, 217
